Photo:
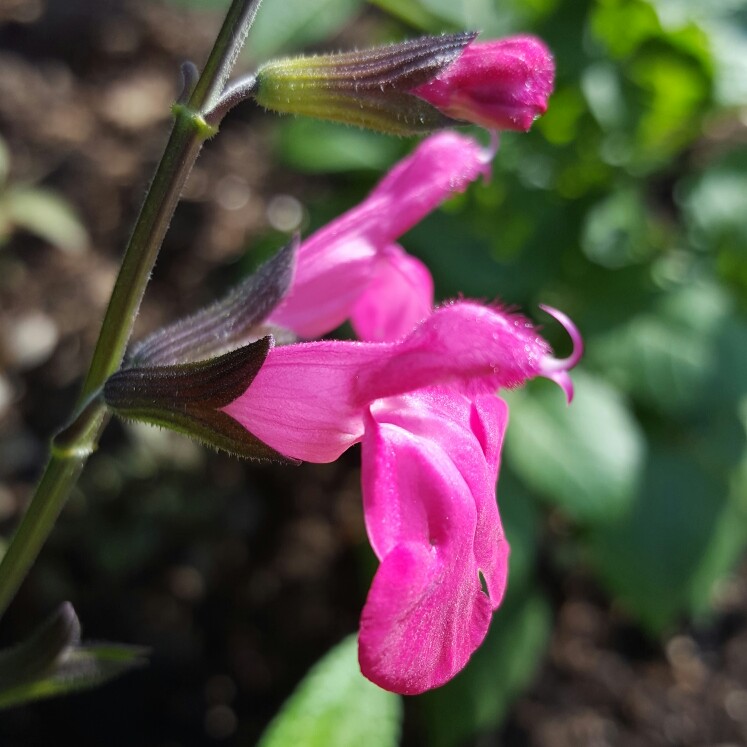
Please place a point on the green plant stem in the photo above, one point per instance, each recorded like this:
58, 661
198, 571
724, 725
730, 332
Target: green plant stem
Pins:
226, 49
179, 156
51, 494
71, 448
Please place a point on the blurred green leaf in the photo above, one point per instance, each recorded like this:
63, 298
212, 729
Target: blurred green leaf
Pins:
665, 76
616, 231
478, 699
412, 12
53, 662
459, 261
521, 523
324, 147
715, 203
686, 355
686, 531
39, 651
729, 44
336, 706
45, 214
725, 23
622, 25
496, 245
674, 76
560, 124
586, 458
438, 15
602, 88
490, 18
287, 26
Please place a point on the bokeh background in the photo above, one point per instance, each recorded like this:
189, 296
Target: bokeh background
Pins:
626, 206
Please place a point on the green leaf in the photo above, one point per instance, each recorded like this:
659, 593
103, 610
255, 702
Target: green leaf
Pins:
602, 89
336, 706
490, 18
729, 44
46, 215
687, 529
616, 231
39, 651
725, 23
53, 662
676, 87
413, 13
324, 147
686, 356
289, 25
715, 202
623, 26
586, 458
478, 699
521, 523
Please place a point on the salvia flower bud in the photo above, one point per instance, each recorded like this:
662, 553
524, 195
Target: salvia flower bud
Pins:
502, 84
368, 88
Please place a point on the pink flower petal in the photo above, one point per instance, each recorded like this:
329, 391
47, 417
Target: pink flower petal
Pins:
399, 296
442, 165
431, 514
489, 419
502, 84
307, 401
435, 624
331, 274
476, 349
471, 431
336, 264
304, 398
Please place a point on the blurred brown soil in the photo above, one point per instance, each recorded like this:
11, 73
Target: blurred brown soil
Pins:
239, 577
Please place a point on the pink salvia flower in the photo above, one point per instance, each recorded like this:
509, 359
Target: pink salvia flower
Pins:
501, 85
473, 348
344, 267
431, 432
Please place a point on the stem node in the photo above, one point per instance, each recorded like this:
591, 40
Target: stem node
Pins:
204, 129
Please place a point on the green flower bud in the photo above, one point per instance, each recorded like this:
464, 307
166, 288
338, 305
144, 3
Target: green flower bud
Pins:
370, 88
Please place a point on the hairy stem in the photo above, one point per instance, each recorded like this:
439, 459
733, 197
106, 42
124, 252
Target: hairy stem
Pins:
71, 449
223, 57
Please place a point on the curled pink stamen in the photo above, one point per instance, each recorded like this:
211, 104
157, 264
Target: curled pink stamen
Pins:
556, 369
